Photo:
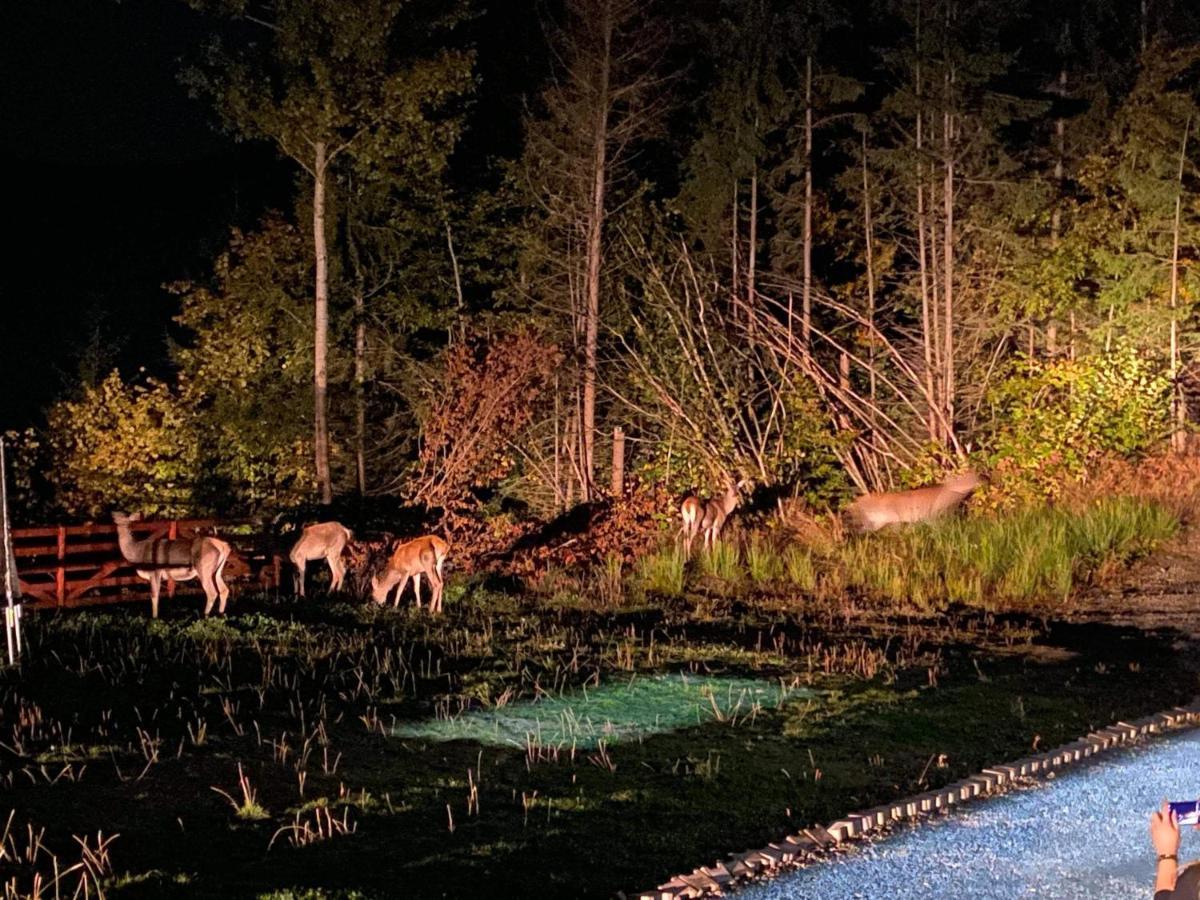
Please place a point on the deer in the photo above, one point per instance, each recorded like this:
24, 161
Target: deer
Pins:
325, 540
422, 556
181, 559
872, 512
707, 517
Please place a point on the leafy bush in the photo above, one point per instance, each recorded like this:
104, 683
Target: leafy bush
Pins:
1055, 419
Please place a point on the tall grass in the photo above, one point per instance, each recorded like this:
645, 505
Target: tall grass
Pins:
763, 563
1036, 555
661, 573
722, 562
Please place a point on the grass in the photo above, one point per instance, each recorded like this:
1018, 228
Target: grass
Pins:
292, 747
661, 573
1025, 558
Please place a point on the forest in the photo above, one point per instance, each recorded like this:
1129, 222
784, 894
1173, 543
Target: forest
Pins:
823, 247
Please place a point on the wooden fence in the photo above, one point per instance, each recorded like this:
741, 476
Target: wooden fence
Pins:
81, 565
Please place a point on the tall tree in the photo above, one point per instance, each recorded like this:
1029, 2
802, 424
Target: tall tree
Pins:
319, 82
604, 98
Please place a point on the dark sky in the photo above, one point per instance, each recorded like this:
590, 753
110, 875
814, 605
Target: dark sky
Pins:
115, 182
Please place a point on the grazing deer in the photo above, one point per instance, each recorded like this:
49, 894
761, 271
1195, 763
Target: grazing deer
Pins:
325, 541
423, 556
874, 511
708, 517
181, 559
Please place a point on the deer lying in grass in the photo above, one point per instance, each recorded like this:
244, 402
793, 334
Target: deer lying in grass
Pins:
708, 517
325, 541
874, 511
181, 559
423, 556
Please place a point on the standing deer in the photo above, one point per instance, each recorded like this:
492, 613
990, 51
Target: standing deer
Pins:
708, 517
423, 556
325, 541
181, 559
874, 511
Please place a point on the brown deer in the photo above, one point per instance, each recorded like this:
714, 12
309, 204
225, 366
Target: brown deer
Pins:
325, 540
708, 517
874, 511
181, 559
423, 556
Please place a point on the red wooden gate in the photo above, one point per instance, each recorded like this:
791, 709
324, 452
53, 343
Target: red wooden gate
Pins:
81, 565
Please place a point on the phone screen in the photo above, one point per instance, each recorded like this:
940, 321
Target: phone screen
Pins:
1187, 812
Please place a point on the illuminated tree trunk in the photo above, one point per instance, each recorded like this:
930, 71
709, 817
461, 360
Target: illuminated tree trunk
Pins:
321, 329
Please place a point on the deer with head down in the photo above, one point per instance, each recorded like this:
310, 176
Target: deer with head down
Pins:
181, 559
325, 540
423, 556
707, 517
874, 511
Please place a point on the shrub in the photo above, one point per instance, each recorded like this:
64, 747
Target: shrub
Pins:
1056, 419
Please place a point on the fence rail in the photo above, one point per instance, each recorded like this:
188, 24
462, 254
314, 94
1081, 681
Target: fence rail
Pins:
81, 565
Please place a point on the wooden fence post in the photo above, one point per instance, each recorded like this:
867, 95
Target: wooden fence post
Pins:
618, 461
172, 533
60, 575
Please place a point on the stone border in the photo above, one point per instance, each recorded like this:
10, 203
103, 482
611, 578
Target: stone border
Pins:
811, 844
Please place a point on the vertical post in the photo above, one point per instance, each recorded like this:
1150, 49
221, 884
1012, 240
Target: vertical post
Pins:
60, 574
12, 586
618, 461
172, 534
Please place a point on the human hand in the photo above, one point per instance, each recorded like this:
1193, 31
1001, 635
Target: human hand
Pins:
1164, 831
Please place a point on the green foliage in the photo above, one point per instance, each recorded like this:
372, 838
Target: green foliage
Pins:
124, 446
1052, 419
1016, 560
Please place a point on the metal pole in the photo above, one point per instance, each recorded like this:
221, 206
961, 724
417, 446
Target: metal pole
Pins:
12, 588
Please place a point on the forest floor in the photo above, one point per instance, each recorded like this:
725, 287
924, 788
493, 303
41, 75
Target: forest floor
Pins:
130, 733
1159, 594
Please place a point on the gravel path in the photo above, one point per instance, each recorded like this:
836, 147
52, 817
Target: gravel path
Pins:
1083, 834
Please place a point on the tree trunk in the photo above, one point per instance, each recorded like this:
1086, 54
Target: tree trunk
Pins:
618, 461
733, 250
1056, 214
1178, 415
595, 255
806, 300
753, 251
922, 260
360, 364
321, 330
948, 255
867, 240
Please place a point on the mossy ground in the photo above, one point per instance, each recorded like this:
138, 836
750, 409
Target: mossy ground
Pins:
160, 713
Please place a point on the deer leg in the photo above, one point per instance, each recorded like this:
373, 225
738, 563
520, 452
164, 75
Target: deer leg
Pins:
403, 579
298, 562
153, 579
210, 593
417, 589
219, 582
338, 572
435, 602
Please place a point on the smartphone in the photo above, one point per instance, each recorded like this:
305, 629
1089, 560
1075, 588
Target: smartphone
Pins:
1187, 812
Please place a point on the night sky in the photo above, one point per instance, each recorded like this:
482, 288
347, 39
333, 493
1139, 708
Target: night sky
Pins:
115, 182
